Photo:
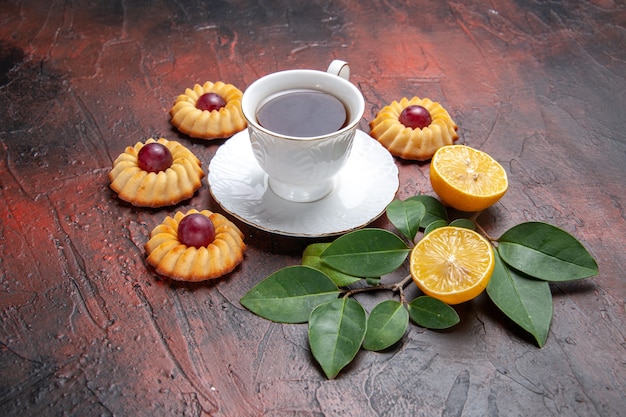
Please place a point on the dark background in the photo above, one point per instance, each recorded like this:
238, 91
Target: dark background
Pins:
87, 329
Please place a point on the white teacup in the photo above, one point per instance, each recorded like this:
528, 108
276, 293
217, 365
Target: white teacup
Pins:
302, 168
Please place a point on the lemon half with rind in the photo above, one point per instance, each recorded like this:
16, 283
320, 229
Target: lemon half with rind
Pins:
467, 179
452, 264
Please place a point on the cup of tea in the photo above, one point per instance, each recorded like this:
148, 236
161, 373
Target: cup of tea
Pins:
302, 125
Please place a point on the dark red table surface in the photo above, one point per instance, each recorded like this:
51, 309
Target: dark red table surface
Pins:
88, 330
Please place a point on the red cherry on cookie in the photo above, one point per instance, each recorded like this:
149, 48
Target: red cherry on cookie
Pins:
210, 102
154, 157
415, 117
196, 230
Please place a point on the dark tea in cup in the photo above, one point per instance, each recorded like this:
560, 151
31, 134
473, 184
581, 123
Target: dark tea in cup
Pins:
302, 113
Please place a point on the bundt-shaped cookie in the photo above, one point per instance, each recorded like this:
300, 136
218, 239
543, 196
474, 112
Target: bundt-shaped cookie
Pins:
174, 259
209, 124
156, 189
406, 142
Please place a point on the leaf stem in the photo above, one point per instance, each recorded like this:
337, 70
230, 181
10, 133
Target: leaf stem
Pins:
388, 287
401, 284
474, 219
395, 287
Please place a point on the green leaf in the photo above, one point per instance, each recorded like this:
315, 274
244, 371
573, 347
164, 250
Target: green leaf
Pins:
290, 294
336, 331
432, 313
435, 225
465, 223
434, 209
406, 216
526, 301
546, 252
311, 257
366, 253
386, 324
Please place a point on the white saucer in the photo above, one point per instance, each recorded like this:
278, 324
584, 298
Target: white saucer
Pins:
363, 189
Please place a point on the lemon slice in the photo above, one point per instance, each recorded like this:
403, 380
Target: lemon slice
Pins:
452, 264
467, 179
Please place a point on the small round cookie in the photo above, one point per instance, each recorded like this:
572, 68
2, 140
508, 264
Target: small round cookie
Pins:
156, 173
417, 143
195, 246
209, 111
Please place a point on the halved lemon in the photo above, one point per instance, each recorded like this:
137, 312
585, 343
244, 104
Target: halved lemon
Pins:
467, 179
452, 264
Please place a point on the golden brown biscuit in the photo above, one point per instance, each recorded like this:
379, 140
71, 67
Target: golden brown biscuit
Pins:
407, 143
156, 189
205, 124
172, 258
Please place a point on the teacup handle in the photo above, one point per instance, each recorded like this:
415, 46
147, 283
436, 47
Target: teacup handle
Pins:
340, 68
